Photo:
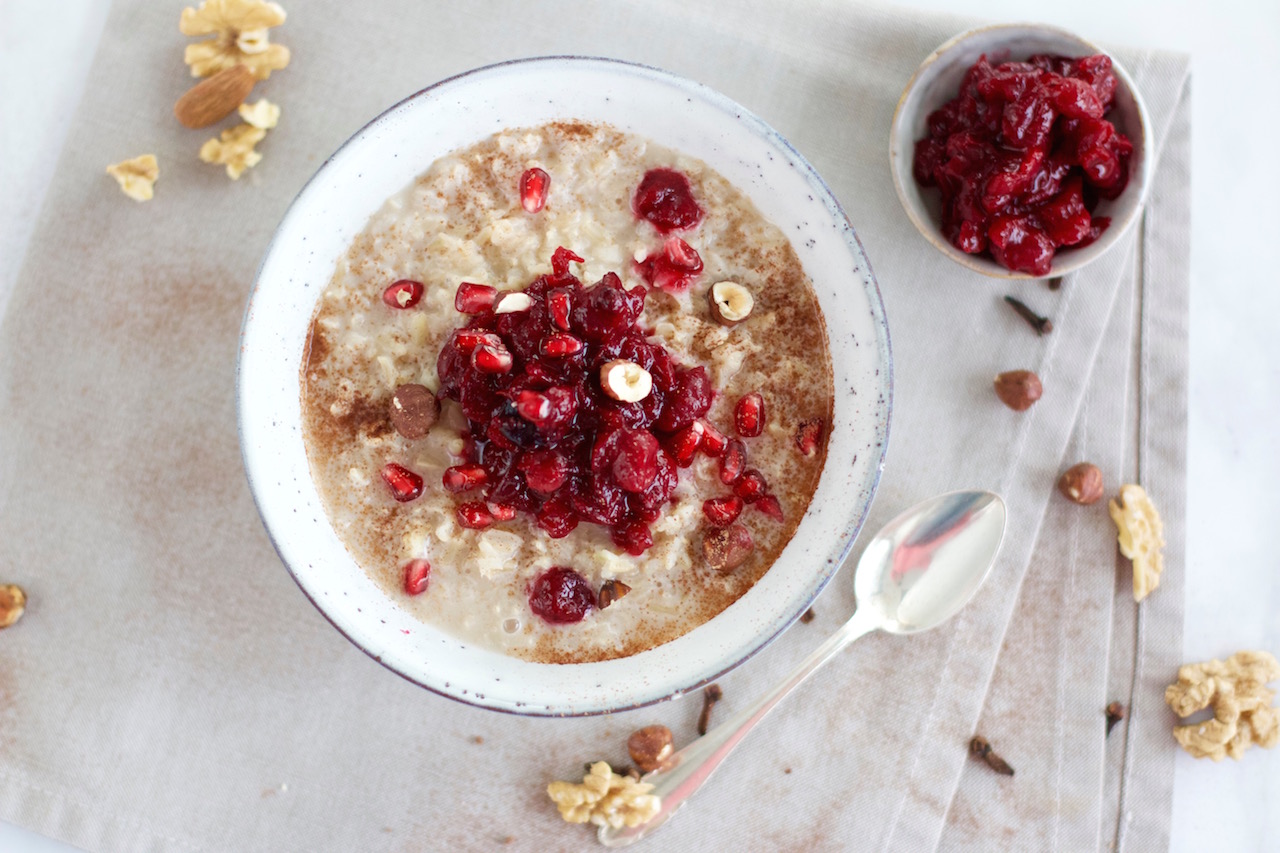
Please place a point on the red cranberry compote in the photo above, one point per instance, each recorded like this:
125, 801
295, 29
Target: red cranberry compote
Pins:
1022, 155
665, 198
543, 437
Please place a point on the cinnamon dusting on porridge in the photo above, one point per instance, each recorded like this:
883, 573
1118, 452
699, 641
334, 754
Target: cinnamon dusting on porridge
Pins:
551, 286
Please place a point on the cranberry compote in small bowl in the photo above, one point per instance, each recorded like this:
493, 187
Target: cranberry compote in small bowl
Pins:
1021, 151
564, 387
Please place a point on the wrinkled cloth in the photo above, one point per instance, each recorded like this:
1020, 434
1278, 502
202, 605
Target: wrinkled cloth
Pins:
169, 688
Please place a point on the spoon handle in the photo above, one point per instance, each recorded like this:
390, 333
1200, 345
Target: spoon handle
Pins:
693, 765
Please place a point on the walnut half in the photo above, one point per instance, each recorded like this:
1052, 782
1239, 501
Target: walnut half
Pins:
1242, 712
605, 799
239, 37
1141, 536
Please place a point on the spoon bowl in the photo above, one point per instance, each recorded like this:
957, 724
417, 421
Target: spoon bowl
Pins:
917, 572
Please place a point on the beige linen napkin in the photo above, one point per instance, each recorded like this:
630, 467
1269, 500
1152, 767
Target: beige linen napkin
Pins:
171, 689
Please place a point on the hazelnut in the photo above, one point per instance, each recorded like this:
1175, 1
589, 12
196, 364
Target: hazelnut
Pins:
651, 747
611, 591
726, 548
510, 303
1018, 389
13, 602
625, 381
414, 410
1082, 484
731, 303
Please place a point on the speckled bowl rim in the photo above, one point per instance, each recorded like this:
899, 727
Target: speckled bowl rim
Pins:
1063, 263
873, 467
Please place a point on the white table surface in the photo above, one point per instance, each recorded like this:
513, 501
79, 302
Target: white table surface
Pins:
1233, 583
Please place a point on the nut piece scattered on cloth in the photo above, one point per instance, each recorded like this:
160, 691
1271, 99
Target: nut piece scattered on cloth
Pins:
13, 603
137, 177
234, 149
239, 30
1242, 712
605, 799
263, 114
1141, 535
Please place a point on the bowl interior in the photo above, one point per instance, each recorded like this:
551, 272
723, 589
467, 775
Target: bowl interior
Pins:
937, 81
387, 155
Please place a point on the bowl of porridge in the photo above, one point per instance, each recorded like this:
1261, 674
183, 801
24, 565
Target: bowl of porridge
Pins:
564, 403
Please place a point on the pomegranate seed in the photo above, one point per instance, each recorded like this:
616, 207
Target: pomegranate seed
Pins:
464, 478
681, 255
748, 415
633, 537
560, 344
809, 436
474, 515
533, 189
751, 486
560, 305
474, 298
501, 512
685, 443
468, 339
533, 406
561, 596
713, 440
403, 293
491, 359
417, 574
405, 485
733, 461
769, 506
722, 511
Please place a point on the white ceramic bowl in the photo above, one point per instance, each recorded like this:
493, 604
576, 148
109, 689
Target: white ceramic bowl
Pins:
386, 156
937, 81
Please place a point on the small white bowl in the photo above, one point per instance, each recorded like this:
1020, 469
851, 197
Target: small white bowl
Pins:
937, 81
390, 153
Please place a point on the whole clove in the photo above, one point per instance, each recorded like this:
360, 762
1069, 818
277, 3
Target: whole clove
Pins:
1055, 282
981, 750
1042, 325
710, 696
1115, 713
806, 617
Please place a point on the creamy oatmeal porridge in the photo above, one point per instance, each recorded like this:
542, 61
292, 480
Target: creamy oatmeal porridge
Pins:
633, 388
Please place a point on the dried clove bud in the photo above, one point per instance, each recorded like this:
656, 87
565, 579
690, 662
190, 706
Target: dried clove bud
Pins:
1042, 325
710, 696
981, 750
1115, 713
807, 616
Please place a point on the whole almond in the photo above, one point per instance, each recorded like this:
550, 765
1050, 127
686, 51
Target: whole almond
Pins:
215, 98
1018, 389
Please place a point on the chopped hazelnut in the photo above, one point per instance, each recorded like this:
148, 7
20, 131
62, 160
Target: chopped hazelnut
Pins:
610, 591
625, 381
13, 603
726, 548
651, 747
414, 410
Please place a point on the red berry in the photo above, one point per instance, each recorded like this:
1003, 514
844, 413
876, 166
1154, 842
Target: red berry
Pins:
685, 443
632, 536
665, 198
417, 574
733, 462
557, 518
751, 486
561, 596
769, 506
748, 415
559, 306
405, 485
474, 515
559, 344
534, 184
636, 464
403, 294
809, 436
491, 359
474, 298
713, 440
463, 478
544, 470
722, 511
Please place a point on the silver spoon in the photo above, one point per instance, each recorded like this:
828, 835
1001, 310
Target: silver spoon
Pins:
916, 573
